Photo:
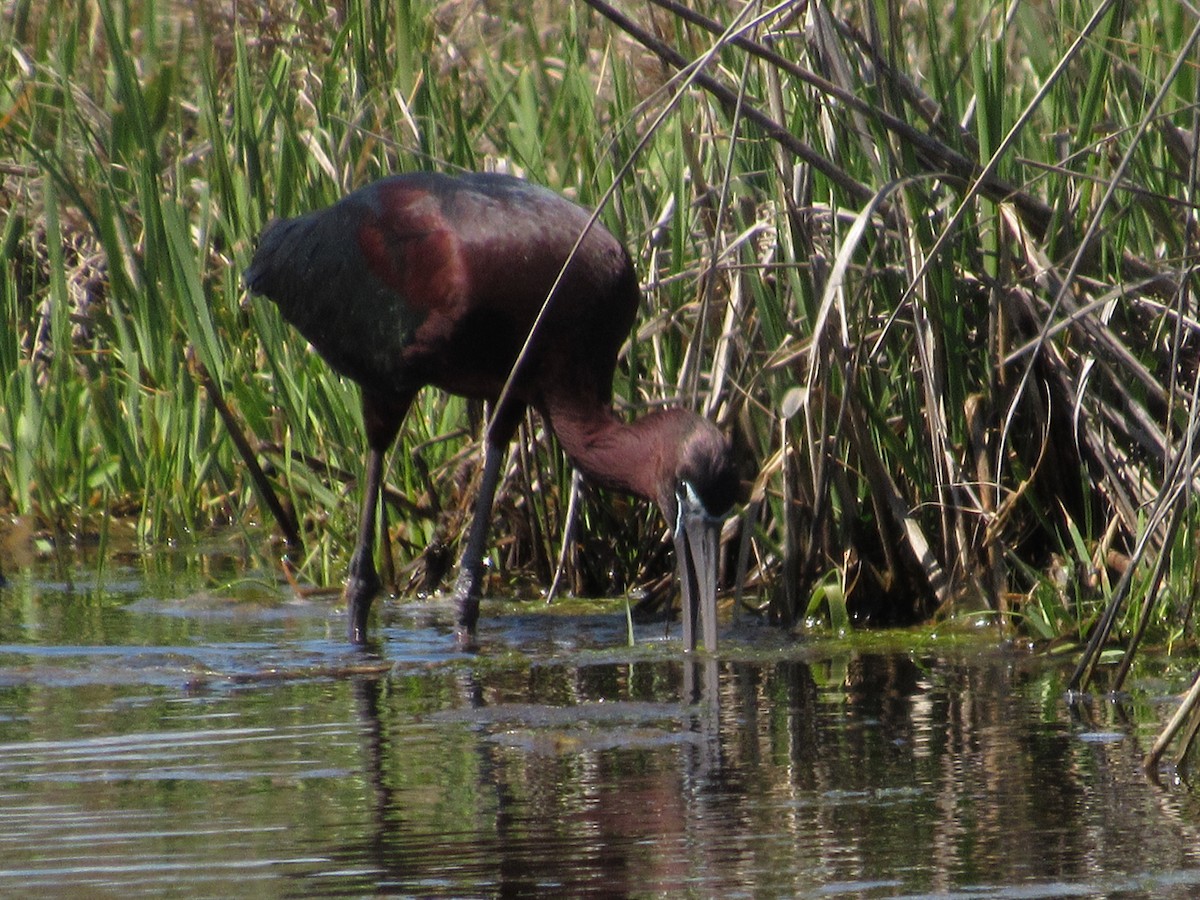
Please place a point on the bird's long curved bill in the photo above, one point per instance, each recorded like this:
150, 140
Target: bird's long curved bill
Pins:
696, 537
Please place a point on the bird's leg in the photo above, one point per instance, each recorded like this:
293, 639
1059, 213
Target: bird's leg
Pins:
382, 419
466, 587
362, 581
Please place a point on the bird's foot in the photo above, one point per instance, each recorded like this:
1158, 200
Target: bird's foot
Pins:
466, 604
464, 639
359, 592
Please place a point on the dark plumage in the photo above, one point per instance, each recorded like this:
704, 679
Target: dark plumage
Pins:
429, 279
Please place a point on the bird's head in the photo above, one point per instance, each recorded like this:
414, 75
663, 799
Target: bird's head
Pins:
704, 471
695, 500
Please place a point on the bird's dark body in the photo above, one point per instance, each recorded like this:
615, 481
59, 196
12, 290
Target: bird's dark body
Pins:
436, 280
431, 280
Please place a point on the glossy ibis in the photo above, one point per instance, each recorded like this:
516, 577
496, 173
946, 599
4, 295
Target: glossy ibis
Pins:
430, 279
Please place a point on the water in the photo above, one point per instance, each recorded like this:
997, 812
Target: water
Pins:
161, 742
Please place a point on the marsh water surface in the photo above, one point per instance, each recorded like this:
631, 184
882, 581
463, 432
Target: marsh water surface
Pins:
158, 738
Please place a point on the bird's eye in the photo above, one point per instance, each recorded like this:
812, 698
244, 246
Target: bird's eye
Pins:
687, 493
688, 501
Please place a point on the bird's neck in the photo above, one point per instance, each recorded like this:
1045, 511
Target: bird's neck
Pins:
635, 457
